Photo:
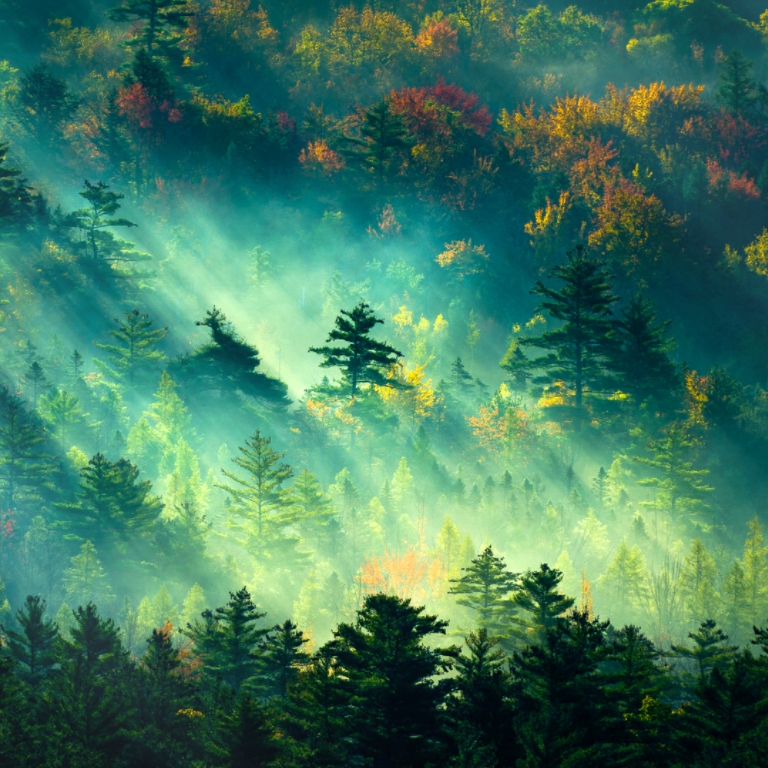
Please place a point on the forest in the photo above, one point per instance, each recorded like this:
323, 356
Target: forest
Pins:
383, 383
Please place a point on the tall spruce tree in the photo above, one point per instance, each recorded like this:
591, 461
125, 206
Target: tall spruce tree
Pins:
640, 357
577, 351
33, 647
258, 501
537, 595
135, 354
485, 588
363, 360
739, 92
382, 135
281, 658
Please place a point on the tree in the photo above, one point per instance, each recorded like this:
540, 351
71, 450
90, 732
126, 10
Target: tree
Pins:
45, 103
85, 580
90, 696
259, 498
163, 22
382, 134
537, 595
135, 352
281, 659
227, 365
755, 568
386, 673
679, 488
577, 350
709, 648
485, 588
27, 471
460, 379
738, 91
18, 204
95, 221
736, 604
35, 379
249, 738
33, 647
697, 583
624, 581
113, 506
640, 357
364, 360
312, 507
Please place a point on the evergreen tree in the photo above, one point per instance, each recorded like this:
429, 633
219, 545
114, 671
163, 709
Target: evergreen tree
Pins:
709, 648
736, 604
387, 672
76, 364
755, 566
258, 499
135, 353
162, 23
33, 647
101, 246
382, 135
227, 365
194, 605
600, 487
517, 365
364, 360
248, 736
485, 588
697, 582
312, 507
624, 582
577, 350
281, 659
113, 506
480, 710
27, 471
35, 379
45, 102
679, 488
640, 357
738, 91
461, 381
85, 580
17, 203
537, 595
90, 697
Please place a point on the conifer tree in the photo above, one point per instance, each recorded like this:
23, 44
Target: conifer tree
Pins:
738, 91
134, 354
162, 23
640, 356
485, 588
312, 506
281, 659
697, 583
46, 103
35, 379
576, 352
624, 581
364, 360
113, 506
709, 648
27, 471
227, 365
258, 499
388, 672
382, 134
460, 379
194, 604
249, 738
17, 203
736, 609
85, 580
537, 595
33, 647
755, 566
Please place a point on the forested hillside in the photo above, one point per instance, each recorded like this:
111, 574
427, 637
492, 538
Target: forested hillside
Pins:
383, 384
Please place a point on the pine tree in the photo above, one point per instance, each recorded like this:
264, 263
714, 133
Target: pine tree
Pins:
33, 647
35, 379
85, 580
258, 499
517, 365
382, 135
736, 604
640, 357
238, 639
697, 583
388, 672
480, 710
17, 203
249, 738
281, 659
537, 595
364, 360
113, 506
194, 604
76, 364
709, 648
485, 588
739, 92
90, 697
227, 365
135, 353
164, 610
311, 505
577, 350
600, 487
46, 103
27, 471
755, 565
162, 23
679, 488
95, 222
460, 379
624, 582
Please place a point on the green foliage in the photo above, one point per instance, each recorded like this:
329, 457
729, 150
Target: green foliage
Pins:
32, 648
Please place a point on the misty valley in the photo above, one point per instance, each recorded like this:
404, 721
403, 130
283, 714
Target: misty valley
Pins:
383, 384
